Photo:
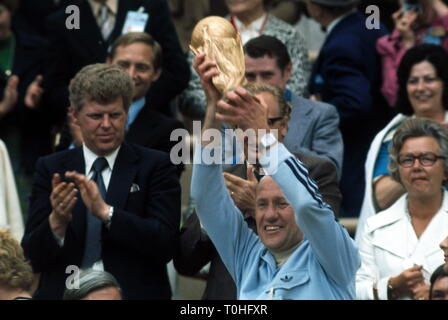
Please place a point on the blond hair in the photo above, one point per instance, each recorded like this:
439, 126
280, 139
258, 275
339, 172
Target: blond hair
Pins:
15, 271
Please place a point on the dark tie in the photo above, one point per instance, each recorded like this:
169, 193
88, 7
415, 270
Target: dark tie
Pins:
92, 252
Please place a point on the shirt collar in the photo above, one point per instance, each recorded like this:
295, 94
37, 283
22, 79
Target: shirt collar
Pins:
112, 4
90, 157
253, 26
134, 110
335, 22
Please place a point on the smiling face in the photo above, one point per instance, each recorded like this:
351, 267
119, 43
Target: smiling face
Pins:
276, 224
137, 59
102, 126
419, 180
425, 90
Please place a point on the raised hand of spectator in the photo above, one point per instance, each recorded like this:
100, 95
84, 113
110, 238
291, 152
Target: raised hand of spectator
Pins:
405, 283
34, 93
62, 199
404, 21
242, 109
243, 192
9, 96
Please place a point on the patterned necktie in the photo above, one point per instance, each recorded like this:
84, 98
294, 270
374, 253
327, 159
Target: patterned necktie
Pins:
92, 251
105, 21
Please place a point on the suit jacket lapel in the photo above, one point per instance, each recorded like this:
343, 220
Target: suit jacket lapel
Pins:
299, 123
123, 174
144, 122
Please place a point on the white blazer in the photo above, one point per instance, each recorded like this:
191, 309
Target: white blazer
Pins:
389, 246
10, 212
367, 208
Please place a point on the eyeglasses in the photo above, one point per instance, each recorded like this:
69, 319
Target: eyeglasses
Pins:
271, 121
426, 159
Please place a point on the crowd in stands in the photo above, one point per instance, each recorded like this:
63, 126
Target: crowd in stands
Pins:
349, 122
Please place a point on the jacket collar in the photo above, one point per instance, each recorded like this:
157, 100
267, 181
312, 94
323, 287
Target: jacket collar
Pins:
392, 226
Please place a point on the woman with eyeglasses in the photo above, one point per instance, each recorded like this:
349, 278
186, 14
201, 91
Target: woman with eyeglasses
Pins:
423, 93
400, 246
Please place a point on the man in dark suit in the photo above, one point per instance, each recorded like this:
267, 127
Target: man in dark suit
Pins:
347, 75
127, 222
140, 56
313, 128
196, 249
71, 49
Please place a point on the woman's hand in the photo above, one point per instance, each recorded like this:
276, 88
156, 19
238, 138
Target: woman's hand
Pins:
403, 23
406, 283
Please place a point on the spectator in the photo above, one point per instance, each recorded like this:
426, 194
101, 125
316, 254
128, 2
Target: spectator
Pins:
141, 57
16, 276
10, 212
313, 128
25, 131
439, 284
400, 245
426, 22
196, 248
347, 75
128, 220
70, 50
251, 20
94, 285
266, 266
423, 93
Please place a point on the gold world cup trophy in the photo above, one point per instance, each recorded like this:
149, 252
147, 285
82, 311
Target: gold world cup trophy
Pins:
221, 42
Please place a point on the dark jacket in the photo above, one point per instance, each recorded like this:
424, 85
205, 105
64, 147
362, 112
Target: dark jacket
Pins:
143, 233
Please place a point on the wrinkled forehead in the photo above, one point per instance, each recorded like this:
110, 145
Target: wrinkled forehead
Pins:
267, 188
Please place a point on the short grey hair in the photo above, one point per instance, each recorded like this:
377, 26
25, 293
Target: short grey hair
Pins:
101, 83
91, 280
415, 128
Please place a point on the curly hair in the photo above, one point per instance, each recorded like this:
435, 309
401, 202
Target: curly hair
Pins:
15, 271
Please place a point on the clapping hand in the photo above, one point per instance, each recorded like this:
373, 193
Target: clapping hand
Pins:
62, 199
243, 192
9, 96
34, 93
90, 194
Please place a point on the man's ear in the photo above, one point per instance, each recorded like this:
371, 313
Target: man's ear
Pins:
287, 72
73, 115
157, 75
